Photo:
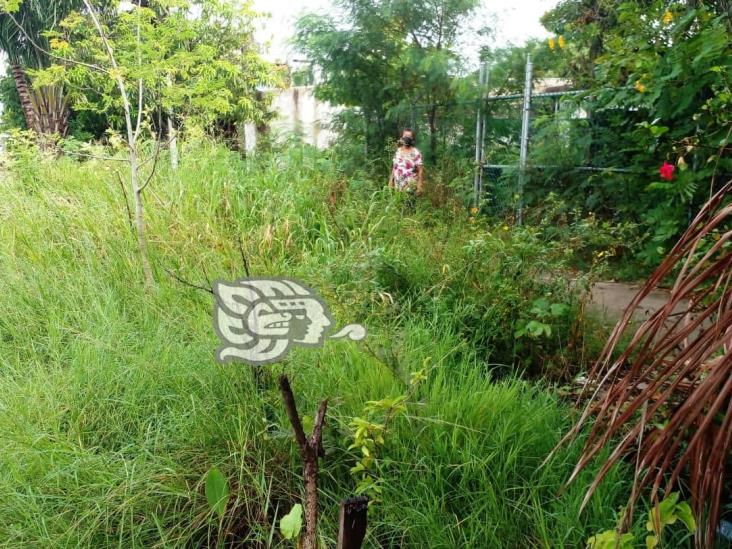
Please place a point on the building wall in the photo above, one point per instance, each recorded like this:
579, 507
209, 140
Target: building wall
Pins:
298, 112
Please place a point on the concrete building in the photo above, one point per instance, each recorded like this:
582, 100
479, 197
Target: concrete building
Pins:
297, 112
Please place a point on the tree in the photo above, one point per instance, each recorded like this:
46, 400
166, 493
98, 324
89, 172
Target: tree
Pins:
385, 56
357, 63
430, 61
166, 57
22, 38
659, 81
198, 59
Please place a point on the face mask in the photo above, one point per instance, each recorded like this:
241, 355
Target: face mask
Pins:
407, 141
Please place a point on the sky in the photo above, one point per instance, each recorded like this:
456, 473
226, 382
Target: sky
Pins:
514, 22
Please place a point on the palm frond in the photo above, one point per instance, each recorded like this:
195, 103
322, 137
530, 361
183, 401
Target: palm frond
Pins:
22, 29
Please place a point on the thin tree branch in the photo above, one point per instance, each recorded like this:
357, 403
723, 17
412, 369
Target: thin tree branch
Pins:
138, 124
149, 158
131, 143
140, 84
127, 204
189, 284
316, 439
115, 67
243, 256
293, 416
416, 40
155, 164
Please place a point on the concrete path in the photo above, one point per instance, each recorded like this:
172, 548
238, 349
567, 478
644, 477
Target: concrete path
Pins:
612, 298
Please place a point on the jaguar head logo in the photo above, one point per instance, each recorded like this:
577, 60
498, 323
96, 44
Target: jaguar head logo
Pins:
259, 319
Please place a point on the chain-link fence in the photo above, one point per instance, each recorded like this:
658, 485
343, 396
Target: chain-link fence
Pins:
518, 147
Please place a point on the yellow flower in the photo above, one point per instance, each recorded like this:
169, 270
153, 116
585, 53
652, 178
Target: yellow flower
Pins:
505, 227
473, 210
640, 86
561, 42
552, 44
668, 18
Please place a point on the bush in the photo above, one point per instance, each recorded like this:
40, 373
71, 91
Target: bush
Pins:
658, 74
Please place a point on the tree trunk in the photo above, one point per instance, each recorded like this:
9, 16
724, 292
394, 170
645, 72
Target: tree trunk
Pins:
132, 134
52, 109
310, 450
45, 110
139, 217
172, 135
26, 101
310, 475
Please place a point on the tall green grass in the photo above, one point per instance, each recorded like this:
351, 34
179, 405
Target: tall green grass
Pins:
112, 407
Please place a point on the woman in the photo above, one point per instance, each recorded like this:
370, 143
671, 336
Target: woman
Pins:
407, 173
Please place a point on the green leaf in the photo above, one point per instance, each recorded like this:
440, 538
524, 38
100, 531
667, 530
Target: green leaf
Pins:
683, 510
609, 539
307, 424
9, 6
291, 523
217, 491
537, 329
559, 309
668, 506
663, 514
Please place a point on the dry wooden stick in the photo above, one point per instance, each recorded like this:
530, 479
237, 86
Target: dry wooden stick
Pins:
310, 450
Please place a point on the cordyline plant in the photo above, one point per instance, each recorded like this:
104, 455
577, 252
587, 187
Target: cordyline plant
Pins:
666, 399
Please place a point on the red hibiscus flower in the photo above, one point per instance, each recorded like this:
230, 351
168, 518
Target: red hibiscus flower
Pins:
667, 171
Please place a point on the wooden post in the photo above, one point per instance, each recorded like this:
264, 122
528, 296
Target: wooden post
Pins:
352, 522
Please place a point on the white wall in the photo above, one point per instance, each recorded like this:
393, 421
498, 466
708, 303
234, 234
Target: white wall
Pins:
298, 112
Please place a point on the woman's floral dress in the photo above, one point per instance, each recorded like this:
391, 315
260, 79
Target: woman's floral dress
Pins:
404, 169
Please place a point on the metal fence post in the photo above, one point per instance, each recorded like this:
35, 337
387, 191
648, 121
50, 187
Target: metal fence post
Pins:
478, 133
365, 136
526, 119
484, 125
